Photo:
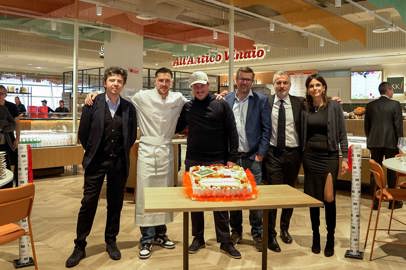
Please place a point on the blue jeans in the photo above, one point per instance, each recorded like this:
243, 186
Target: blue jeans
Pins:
149, 233
255, 215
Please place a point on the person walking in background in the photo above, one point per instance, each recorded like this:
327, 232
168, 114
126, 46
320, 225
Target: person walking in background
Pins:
12, 146
252, 115
107, 132
61, 108
383, 125
212, 139
20, 107
283, 159
44, 103
323, 134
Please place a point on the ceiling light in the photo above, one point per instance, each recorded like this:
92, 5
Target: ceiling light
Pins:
271, 26
99, 10
215, 34
145, 17
385, 29
53, 26
321, 42
337, 3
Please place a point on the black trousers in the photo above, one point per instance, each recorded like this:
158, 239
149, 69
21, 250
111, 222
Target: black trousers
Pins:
116, 173
221, 218
281, 167
378, 154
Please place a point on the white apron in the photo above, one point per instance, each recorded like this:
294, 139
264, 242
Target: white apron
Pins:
157, 120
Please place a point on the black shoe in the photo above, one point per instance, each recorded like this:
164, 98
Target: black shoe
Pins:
273, 244
145, 251
375, 205
230, 250
77, 255
285, 236
329, 249
258, 243
163, 241
197, 244
398, 205
316, 243
236, 237
113, 251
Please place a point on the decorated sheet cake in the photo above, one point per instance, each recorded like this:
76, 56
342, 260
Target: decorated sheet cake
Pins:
219, 183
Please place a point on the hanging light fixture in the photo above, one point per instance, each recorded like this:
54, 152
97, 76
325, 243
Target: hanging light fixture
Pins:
99, 10
271, 26
337, 3
53, 26
321, 42
215, 34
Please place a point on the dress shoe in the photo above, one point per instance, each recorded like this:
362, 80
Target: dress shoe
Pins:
197, 244
230, 250
285, 236
398, 204
145, 251
236, 237
273, 244
77, 255
258, 243
113, 251
163, 241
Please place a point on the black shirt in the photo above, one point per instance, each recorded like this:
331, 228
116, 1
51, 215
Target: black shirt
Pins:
59, 109
12, 108
212, 131
317, 130
21, 108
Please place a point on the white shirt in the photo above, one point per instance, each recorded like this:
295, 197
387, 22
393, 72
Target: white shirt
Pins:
240, 109
292, 138
112, 107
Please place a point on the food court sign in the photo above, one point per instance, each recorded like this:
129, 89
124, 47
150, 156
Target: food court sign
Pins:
220, 57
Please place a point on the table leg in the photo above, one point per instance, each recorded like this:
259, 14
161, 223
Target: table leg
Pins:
265, 239
185, 240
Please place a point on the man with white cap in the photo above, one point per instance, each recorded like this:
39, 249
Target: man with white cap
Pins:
212, 139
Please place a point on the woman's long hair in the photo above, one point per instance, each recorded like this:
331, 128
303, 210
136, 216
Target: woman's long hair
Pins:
309, 100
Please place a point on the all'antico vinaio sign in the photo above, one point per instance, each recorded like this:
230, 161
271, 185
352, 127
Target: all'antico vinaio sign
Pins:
207, 59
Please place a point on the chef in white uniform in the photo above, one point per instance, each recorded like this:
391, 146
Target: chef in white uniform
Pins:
158, 111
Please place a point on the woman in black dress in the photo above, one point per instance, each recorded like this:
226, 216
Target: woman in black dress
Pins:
324, 134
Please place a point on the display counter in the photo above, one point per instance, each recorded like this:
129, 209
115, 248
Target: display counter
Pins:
355, 127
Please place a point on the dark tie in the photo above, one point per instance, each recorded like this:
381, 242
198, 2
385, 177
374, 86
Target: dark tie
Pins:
281, 126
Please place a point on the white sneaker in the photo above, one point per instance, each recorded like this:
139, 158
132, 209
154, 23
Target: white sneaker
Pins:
145, 251
163, 241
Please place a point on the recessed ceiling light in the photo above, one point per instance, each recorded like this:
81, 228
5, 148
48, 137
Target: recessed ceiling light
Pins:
145, 17
29, 64
38, 67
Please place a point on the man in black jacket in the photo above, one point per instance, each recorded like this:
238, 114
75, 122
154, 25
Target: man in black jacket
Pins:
212, 139
107, 131
383, 125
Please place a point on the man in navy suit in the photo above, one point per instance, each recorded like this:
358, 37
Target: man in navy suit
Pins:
107, 131
252, 115
383, 125
282, 162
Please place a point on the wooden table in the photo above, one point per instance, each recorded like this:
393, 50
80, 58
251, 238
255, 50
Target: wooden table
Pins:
7, 179
173, 199
395, 164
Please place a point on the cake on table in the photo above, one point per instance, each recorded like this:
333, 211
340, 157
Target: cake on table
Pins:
219, 183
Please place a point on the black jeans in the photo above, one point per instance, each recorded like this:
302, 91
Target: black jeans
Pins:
116, 173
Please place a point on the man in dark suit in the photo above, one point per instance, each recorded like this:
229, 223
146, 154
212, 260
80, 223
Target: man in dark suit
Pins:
252, 117
383, 125
282, 162
107, 131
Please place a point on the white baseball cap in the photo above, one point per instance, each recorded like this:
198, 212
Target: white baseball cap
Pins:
198, 77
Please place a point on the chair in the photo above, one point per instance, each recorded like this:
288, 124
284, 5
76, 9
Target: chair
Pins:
382, 194
16, 204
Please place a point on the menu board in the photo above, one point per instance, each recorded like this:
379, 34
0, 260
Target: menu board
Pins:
364, 84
